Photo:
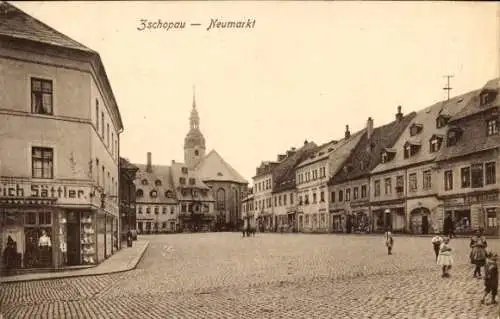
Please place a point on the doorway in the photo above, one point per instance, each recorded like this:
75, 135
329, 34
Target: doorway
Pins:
73, 240
425, 224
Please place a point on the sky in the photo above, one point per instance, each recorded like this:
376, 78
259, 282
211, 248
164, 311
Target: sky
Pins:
303, 72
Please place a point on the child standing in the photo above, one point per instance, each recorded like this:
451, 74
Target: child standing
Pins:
444, 258
436, 243
491, 278
478, 246
389, 242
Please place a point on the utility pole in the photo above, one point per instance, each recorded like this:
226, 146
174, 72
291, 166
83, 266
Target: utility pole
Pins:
448, 88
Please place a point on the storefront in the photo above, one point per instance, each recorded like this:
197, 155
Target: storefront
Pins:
473, 211
389, 216
337, 220
47, 226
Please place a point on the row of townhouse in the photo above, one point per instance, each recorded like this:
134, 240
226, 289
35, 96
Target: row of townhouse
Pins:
407, 175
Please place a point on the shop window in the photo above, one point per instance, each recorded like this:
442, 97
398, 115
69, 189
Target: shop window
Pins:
448, 180
41, 96
44, 218
490, 173
477, 175
492, 218
30, 218
465, 177
42, 160
377, 188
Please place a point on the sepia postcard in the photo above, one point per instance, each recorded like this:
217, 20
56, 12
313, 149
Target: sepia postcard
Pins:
249, 159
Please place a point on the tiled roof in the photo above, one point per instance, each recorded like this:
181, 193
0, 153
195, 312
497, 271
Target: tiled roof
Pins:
158, 172
338, 157
125, 163
284, 172
321, 152
176, 170
473, 129
366, 154
427, 117
474, 107
16, 23
214, 168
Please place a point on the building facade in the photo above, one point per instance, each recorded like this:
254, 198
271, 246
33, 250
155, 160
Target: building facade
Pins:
352, 182
404, 196
127, 196
204, 193
263, 188
60, 170
247, 211
467, 168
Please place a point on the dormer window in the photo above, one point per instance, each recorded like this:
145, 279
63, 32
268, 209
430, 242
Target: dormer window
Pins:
486, 97
139, 193
453, 136
411, 148
435, 143
442, 120
387, 155
192, 181
415, 129
492, 127
168, 194
157, 182
182, 180
184, 170
153, 193
144, 182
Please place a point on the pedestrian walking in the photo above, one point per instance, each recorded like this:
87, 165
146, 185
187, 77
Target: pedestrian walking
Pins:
449, 226
445, 259
478, 246
491, 279
436, 243
389, 242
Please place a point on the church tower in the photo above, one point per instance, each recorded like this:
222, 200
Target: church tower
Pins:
194, 143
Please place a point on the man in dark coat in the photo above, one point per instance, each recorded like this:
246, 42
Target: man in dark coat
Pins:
449, 227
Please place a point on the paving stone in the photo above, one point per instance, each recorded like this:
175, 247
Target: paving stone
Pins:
221, 275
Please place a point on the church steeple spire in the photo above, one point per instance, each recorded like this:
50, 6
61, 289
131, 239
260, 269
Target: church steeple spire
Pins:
194, 143
194, 119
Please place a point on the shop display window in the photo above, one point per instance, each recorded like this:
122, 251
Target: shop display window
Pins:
88, 239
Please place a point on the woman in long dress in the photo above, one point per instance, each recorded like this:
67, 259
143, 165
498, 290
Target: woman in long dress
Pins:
445, 259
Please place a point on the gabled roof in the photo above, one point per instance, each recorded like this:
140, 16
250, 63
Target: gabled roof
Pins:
427, 117
284, 172
473, 137
177, 173
125, 164
18, 25
214, 168
366, 154
473, 105
321, 152
158, 172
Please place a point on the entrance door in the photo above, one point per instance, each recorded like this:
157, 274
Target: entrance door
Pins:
425, 224
388, 221
73, 240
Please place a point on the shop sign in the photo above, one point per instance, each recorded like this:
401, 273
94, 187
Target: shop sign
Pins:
65, 194
454, 201
482, 198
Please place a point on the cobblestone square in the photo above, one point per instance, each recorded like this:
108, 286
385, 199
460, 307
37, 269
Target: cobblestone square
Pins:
222, 275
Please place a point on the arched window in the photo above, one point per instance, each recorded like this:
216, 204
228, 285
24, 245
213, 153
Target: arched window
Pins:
221, 199
144, 182
139, 193
158, 182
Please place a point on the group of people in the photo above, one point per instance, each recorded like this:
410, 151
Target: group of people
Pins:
479, 257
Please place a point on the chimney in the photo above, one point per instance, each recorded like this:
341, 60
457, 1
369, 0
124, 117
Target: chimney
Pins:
305, 142
281, 157
399, 115
347, 132
369, 128
148, 165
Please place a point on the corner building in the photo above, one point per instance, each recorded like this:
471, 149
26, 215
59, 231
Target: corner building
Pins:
59, 136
